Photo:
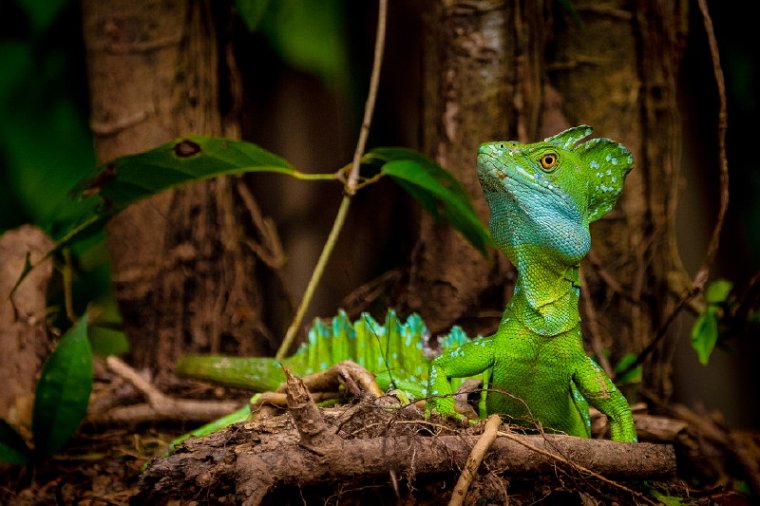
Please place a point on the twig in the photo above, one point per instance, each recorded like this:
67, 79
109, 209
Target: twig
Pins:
474, 460
322, 385
712, 247
349, 188
67, 275
700, 278
610, 280
159, 405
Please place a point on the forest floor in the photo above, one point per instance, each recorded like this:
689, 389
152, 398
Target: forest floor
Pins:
363, 452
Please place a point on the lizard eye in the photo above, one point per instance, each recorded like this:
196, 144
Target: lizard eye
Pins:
549, 161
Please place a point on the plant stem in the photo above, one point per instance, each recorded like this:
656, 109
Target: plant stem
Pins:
349, 188
316, 276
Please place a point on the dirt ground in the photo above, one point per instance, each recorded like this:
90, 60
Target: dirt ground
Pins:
362, 452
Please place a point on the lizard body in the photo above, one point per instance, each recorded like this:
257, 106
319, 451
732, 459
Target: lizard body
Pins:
542, 198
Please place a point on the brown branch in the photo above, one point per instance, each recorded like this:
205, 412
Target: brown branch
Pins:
160, 407
610, 280
558, 456
254, 470
322, 385
701, 277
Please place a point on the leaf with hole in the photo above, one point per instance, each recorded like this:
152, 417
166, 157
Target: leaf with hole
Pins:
131, 178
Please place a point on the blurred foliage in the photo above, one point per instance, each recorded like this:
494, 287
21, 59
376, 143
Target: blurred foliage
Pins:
309, 39
60, 400
45, 143
704, 333
741, 66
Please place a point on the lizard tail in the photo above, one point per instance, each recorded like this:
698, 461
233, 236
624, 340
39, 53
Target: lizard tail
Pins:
259, 374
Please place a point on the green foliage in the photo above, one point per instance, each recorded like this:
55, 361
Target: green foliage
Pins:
665, 499
437, 191
717, 291
108, 341
60, 402
63, 391
704, 333
131, 178
308, 36
632, 376
13, 449
45, 144
251, 12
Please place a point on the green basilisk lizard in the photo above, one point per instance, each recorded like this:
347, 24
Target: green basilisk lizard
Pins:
542, 198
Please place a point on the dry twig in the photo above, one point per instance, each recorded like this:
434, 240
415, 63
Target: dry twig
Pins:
473, 461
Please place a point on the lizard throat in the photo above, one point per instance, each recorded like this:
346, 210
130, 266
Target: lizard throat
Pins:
547, 305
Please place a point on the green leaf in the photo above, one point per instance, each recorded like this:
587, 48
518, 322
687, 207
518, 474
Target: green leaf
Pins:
718, 291
251, 12
437, 191
108, 341
13, 450
704, 334
130, 178
667, 500
634, 375
63, 391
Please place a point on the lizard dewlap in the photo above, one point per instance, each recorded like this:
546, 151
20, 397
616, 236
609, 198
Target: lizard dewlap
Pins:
542, 198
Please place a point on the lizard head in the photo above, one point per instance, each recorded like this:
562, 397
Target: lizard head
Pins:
547, 193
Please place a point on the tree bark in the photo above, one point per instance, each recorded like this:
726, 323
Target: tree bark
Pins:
184, 277
466, 94
24, 339
615, 69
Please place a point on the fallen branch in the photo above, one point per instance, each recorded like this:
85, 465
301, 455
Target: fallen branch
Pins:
245, 465
160, 407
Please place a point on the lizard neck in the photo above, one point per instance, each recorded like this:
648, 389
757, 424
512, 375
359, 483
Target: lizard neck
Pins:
546, 244
546, 305
546, 294
547, 289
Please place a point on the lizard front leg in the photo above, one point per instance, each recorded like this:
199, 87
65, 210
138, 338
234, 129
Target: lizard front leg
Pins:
467, 360
602, 393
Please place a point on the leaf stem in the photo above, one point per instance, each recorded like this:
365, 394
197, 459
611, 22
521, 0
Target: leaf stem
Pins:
305, 176
349, 188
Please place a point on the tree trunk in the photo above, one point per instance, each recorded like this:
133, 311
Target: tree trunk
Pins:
184, 277
518, 70
466, 91
615, 69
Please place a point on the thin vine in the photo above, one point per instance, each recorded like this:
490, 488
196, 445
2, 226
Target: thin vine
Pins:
349, 188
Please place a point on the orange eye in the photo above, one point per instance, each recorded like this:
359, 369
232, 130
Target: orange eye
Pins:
549, 161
